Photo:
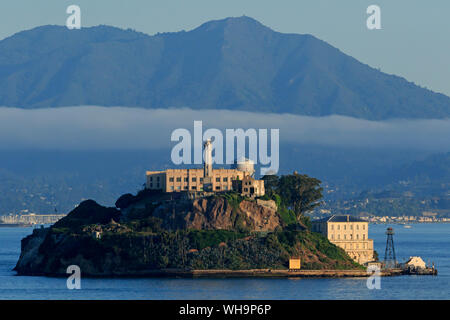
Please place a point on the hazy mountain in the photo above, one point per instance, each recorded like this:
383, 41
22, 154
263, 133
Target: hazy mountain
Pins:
235, 63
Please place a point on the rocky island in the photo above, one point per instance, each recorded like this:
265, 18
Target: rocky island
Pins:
154, 233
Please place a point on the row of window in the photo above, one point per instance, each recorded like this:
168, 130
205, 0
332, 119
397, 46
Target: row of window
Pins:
355, 246
350, 237
194, 179
186, 179
172, 188
345, 227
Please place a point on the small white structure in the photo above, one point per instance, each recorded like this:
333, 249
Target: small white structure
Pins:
97, 234
416, 262
245, 165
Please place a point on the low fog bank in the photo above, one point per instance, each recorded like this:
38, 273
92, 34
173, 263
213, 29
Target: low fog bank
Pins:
117, 128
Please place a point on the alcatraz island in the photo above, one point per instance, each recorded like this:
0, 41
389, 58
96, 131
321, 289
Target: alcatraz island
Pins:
205, 223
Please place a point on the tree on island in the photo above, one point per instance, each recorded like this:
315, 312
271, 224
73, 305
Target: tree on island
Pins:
298, 192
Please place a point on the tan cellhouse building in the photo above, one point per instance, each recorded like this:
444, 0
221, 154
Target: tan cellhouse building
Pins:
175, 180
349, 233
239, 179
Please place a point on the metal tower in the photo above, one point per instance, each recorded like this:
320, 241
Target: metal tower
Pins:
389, 255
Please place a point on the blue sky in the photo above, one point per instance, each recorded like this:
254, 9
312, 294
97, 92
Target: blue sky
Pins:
413, 43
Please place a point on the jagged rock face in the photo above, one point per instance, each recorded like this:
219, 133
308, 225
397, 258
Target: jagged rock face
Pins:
217, 213
261, 217
30, 258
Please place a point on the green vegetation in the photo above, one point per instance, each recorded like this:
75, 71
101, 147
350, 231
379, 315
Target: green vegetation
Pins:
233, 198
287, 216
200, 239
297, 192
192, 249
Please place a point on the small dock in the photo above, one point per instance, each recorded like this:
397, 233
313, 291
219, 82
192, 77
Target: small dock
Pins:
421, 271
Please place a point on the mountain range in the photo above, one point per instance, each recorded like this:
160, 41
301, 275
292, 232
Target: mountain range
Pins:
234, 63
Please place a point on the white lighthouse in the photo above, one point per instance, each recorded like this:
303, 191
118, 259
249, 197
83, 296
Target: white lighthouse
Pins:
207, 166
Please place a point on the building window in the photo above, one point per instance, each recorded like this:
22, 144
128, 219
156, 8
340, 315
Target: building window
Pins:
179, 179
332, 227
345, 237
245, 189
157, 185
201, 179
151, 178
186, 179
171, 188
225, 179
217, 179
158, 178
218, 188
171, 179
178, 188
151, 185
194, 188
194, 179
225, 188
185, 188
339, 227
357, 227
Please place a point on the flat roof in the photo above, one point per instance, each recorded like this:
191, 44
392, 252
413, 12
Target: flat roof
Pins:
340, 218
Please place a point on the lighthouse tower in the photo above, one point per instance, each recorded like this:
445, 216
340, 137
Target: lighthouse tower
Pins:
207, 166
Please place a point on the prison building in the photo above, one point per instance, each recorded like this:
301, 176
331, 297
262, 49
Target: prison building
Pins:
176, 180
349, 233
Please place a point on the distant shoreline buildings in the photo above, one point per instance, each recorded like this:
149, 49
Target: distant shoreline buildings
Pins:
30, 219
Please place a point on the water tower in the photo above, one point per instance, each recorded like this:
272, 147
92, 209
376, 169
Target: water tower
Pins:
245, 165
390, 260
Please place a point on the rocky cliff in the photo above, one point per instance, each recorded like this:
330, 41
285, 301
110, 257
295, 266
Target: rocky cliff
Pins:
217, 213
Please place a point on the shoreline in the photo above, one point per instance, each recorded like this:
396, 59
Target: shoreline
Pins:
252, 273
15, 225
